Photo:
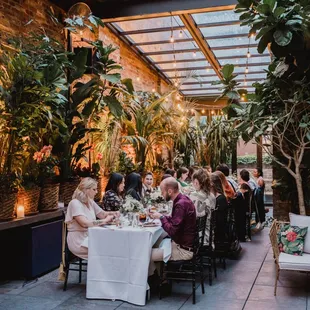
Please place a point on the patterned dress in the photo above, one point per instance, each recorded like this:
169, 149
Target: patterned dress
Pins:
111, 201
204, 203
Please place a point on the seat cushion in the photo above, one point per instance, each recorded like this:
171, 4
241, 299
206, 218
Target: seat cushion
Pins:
291, 239
302, 221
294, 262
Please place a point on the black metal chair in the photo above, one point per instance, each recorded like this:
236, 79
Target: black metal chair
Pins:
187, 270
70, 259
207, 253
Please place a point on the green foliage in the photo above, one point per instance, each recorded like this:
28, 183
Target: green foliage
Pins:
252, 159
125, 164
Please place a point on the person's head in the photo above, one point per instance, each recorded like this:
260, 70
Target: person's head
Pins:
171, 172
224, 169
245, 175
201, 181
182, 173
228, 189
86, 190
217, 186
192, 170
258, 172
165, 176
169, 188
208, 168
116, 183
133, 182
148, 179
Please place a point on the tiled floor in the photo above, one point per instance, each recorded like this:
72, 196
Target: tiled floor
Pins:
247, 283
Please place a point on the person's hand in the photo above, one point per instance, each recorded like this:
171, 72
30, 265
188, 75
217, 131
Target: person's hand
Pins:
243, 190
155, 215
109, 219
117, 214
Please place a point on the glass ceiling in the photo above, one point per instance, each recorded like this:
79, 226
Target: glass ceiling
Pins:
181, 58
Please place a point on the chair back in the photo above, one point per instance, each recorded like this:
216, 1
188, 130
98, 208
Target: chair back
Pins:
200, 232
212, 230
273, 235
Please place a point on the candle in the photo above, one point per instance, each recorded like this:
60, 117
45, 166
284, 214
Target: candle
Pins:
20, 211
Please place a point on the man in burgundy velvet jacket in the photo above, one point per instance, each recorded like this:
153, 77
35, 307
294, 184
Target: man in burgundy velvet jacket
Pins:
180, 226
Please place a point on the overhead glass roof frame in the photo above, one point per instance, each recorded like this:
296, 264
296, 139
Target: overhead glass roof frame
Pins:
202, 43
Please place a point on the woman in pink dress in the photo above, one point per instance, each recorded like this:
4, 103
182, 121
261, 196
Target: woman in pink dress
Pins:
82, 213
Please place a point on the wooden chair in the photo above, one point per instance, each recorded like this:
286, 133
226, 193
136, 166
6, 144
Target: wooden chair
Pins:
187, 270
285, 261
69, 259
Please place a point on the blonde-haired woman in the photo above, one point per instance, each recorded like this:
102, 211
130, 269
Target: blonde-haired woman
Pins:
82, 213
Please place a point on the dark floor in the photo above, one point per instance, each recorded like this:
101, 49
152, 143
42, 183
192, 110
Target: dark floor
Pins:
246, 284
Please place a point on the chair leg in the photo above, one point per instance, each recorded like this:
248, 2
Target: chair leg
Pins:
210, 272
80, 270
66, 278
214, 266
201, 279
276, 282
161, 273
194, 284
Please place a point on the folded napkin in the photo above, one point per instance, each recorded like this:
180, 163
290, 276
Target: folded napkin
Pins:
166, 246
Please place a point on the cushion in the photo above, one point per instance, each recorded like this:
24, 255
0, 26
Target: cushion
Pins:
292, 262
291, 239
302, 221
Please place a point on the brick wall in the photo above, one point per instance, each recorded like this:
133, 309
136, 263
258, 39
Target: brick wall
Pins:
14, 14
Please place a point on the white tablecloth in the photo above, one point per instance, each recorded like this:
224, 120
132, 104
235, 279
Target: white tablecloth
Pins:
118, 261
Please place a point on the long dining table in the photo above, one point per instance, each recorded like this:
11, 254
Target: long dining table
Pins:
118, 262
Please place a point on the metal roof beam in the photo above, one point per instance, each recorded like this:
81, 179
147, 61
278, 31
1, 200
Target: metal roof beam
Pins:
195, 32
168, 29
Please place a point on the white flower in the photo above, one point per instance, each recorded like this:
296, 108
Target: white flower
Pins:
132, 205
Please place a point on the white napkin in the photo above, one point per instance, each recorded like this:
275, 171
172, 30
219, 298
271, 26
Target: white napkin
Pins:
166, 246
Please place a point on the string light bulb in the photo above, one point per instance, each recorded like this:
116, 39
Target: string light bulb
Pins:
203, 111
222, 113
180, 34
153, 90
246, 70
248, 54
138, 79
208, 70
245, 83
176, 84
212, 112
171, 39
178, 97
194, 54
175, 64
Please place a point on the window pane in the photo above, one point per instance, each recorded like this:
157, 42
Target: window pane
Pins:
215, 17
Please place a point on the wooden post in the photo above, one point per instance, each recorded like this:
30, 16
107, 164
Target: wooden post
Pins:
234, 165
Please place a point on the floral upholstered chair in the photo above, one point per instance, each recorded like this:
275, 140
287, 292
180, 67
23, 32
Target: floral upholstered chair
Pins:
289, 243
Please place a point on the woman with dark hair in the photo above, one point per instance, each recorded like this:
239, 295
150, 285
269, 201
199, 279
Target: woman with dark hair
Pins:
171, 172
147, 184
133, 185
182, 175
259, 195
221, 207
202, 198
112, 200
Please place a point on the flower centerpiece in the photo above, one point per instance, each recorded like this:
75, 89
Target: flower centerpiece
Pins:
132, 205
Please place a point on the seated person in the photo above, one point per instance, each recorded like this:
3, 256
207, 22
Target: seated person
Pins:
180, 226
112, 200
147, 184
133, 185
203, 198
182, 175
82, 213
171, 172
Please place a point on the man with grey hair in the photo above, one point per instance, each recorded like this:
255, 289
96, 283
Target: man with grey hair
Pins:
180, 226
